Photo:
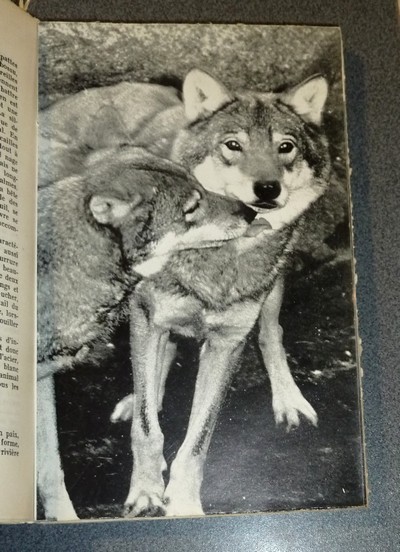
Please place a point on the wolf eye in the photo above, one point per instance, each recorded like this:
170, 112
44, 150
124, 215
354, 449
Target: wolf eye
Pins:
286, 147
233, 145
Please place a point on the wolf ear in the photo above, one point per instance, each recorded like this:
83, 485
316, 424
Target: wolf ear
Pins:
110, 210
308, 98
203, 95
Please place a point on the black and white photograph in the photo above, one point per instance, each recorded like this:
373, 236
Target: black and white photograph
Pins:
197, 340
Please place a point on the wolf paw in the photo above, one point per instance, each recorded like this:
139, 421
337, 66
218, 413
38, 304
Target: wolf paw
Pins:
182, 495
144, 505
182, 507
288, 404
123, 410
60, 509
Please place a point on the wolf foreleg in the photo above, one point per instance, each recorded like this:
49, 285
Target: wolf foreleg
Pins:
148, 343
217, 363
287, 399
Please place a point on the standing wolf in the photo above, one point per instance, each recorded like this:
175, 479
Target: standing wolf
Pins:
124, 207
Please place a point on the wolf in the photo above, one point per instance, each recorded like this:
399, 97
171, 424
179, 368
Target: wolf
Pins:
129, 208
268, 150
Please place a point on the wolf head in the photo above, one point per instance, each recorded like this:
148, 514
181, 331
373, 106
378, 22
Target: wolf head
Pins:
158, 208
268, 150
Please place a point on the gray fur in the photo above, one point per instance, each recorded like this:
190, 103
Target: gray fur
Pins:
86, 268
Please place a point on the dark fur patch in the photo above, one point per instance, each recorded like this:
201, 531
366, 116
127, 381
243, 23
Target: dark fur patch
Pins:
144, 419
262, 114
202, 438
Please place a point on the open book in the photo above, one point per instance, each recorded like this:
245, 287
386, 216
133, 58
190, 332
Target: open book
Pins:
189, 345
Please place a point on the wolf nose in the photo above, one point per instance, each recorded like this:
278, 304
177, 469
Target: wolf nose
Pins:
267, 190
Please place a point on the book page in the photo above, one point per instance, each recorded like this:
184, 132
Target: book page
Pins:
108, 210
18, 114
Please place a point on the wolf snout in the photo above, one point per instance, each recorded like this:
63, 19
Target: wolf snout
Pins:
267, 191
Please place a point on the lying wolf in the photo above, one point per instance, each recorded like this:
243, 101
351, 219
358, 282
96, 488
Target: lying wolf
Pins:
268, 150
130, 210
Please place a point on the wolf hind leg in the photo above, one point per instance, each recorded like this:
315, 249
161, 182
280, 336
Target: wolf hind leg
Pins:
124, 408
53, 493
288, 402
